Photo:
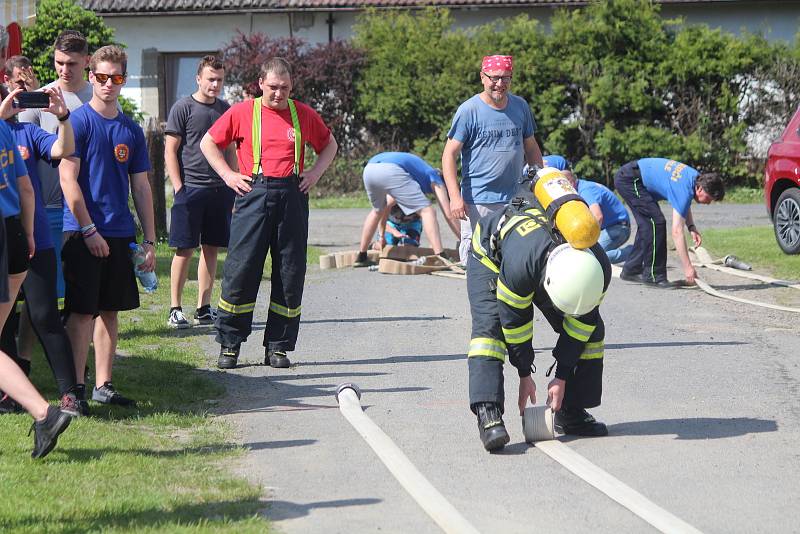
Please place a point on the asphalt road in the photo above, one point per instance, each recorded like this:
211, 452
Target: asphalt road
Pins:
701, 399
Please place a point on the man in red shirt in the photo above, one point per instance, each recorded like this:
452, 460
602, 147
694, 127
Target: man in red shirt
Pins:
270, 211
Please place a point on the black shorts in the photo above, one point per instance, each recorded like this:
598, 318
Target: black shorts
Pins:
98, 284
201, 215
17, 246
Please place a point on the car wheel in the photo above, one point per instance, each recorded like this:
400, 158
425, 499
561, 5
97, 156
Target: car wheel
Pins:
787, 221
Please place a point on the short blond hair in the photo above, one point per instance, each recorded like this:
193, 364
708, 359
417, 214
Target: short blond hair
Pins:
109, 54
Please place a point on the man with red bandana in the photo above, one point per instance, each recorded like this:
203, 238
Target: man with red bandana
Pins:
493, 133
270, 212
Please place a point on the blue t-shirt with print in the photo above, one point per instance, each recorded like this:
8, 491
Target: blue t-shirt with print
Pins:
415, 166
670, 180
12, 166
492, 155
34, 145
614, 211
110, 150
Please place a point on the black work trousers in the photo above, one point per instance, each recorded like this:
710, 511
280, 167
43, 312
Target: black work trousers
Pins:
584, 386
273, 217
41, 302
648, 257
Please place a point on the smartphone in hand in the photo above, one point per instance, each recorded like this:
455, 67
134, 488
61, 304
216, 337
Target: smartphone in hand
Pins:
31, 99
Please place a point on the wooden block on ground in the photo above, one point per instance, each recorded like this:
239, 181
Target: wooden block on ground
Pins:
407, 252
390, 266
346, 258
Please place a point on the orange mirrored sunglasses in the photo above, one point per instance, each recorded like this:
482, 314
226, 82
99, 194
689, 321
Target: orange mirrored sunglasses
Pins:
116, 79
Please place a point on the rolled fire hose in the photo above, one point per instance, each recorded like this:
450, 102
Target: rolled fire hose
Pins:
435, 505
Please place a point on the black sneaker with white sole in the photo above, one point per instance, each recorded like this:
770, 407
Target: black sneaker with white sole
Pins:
80, 397
205, 315
106, 394
177, 319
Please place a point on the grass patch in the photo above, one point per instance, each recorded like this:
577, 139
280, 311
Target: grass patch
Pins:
744, 195
353, 200
156, 468
756, 246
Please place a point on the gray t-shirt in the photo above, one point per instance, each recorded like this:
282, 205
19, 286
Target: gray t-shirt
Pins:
190, 120
51, 184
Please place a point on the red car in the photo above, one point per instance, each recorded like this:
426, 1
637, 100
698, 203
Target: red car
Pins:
782, 186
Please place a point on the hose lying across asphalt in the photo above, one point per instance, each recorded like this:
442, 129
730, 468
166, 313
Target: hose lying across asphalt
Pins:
706, 261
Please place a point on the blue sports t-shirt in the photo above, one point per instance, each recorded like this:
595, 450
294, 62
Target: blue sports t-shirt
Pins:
667, 179
11, 168
492, 155
34, 145
110, 150
613, 210
416, 167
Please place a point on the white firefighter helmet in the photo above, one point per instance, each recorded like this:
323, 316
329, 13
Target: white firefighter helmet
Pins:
573, 279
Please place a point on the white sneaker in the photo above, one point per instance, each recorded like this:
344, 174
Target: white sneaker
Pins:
177, 319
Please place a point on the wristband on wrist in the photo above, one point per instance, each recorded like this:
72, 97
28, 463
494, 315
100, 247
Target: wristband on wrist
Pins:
88, 227
148, 242
691, 227
64, 118
89, 233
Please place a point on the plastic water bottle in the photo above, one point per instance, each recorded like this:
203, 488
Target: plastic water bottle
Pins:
148, 279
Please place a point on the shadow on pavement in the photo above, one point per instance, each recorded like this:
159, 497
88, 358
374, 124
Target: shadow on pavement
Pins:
281, 510
695, 428
394, 359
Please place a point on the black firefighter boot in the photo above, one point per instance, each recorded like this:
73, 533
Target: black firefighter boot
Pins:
578, 422
491, 426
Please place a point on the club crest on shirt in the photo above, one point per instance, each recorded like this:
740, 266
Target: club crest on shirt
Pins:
121, 152
290, 134
23, 151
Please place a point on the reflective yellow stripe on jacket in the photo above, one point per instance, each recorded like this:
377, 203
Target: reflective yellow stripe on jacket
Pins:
518, 335
578, 330
480, 252
487, 347
593, 351
512, 299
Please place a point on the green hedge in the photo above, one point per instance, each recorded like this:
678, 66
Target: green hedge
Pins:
607, 83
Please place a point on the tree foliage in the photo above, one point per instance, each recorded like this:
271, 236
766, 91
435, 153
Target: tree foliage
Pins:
55, 16
607, 84
323, 75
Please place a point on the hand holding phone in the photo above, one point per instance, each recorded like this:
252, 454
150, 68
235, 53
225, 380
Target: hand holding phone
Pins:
31, 100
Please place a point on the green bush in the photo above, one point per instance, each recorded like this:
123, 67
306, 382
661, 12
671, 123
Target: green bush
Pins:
607, 84
55, 16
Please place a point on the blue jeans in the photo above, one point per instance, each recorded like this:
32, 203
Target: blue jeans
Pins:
612, 238
56, 218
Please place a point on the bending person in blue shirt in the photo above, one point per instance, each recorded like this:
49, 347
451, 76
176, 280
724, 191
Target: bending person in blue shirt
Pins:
642, 183
615, 225
407, 179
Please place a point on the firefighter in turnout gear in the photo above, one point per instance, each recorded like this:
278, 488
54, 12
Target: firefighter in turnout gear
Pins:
270, 212
519, 260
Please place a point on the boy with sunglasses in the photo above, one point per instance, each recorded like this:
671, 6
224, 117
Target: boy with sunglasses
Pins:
110, 160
